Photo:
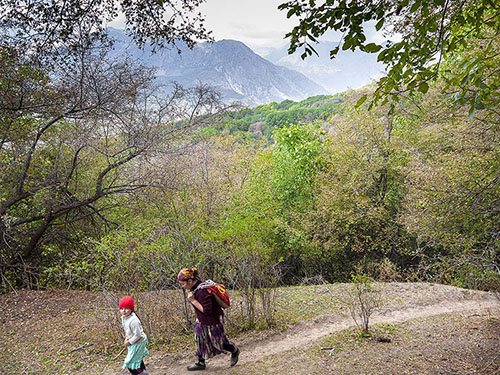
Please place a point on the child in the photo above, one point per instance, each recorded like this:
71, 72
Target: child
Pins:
209, 332
135, 338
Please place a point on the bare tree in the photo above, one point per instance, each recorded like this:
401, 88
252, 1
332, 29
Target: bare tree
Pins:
362, 298
45, 26
74, 136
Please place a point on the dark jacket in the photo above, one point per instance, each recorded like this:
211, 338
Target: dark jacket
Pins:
211, 309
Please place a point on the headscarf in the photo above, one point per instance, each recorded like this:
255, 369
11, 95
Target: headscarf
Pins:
188, 273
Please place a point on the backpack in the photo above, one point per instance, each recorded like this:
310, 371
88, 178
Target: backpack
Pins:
218, 291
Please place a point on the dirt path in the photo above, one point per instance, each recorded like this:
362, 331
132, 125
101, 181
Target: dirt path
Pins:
304, 334
453, 329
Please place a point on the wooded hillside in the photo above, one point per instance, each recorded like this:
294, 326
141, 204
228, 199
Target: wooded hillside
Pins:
107, 184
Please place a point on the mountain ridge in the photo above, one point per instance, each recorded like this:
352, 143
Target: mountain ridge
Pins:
230, 66
348, 70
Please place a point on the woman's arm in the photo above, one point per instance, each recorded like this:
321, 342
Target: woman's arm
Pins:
195, 302
205, 301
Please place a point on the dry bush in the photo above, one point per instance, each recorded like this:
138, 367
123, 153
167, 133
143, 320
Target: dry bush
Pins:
383, 270
160, 312
362, 298
313, 280
254, 283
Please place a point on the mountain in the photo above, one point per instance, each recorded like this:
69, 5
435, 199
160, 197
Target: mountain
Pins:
349, 70
233, 68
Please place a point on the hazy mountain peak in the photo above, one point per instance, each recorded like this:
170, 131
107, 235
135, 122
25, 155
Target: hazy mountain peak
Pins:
229, 65
349, 70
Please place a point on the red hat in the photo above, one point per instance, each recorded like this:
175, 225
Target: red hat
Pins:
127, 302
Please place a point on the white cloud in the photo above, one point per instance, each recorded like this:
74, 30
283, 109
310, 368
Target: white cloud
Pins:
257, 23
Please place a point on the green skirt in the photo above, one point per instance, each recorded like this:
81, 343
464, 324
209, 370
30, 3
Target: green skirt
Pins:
135, 354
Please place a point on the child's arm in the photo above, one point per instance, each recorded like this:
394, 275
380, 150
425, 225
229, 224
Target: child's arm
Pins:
137, 333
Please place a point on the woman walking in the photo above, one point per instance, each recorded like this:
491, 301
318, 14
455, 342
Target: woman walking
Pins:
209, 331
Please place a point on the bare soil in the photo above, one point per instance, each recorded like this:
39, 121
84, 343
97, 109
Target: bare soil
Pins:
426, 329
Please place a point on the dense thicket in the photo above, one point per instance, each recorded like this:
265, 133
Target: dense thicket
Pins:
104, 188
77, 128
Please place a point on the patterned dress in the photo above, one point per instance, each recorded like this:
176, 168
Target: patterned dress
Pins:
209, 332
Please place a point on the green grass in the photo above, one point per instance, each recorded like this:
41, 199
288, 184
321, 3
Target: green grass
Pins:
299, 303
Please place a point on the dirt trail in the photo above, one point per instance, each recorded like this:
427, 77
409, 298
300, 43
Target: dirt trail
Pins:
304, 334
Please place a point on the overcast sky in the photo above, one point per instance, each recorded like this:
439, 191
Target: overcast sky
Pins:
257, 23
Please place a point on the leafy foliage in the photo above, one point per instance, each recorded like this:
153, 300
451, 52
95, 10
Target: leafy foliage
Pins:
67, 138
453, 197
272, 115
46, 26
429, 32
291, 187
109, 193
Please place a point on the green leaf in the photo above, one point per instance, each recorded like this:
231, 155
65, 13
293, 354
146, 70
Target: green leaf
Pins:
425, 10
415, 6
392, 108
334, 52
479, 105
423, 87
361, 100
372, 48
379, 24
432, 26
347, 44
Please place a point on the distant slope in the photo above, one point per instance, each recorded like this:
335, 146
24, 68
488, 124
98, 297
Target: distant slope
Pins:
260, 121
349, 70
239, 73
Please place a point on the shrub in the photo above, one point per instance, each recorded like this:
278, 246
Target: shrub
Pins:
363, 298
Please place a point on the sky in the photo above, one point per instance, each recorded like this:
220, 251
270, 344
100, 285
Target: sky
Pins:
257, 23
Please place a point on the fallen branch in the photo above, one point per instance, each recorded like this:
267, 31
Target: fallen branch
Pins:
81, 347
118, 354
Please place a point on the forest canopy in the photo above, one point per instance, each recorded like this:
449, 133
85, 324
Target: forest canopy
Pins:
109, 183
